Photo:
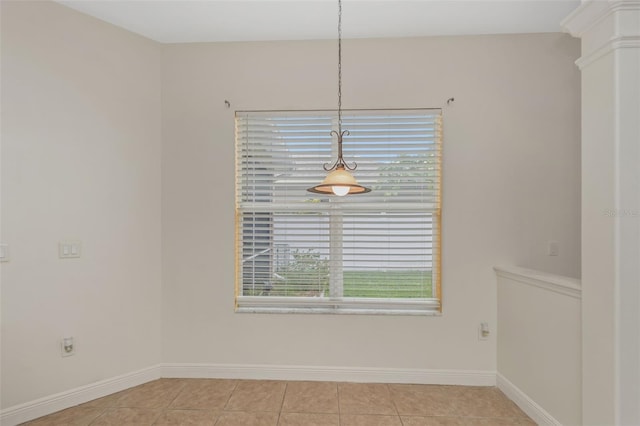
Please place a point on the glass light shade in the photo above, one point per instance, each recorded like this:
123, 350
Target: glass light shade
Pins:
342, 180
340, 190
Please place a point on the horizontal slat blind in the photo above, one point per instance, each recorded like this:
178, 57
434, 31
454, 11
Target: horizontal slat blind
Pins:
378, 248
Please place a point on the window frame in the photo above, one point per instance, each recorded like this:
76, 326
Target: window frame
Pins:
342, 304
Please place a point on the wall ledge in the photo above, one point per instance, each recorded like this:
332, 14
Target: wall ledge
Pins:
551, 282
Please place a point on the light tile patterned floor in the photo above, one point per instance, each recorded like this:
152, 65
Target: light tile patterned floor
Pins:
209, 402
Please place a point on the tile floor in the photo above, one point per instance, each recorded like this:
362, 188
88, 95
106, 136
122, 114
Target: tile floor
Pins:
210, 402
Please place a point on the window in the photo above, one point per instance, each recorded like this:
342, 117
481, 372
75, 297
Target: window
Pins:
369, 253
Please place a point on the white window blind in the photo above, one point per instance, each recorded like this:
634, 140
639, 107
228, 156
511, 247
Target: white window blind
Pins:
371, 253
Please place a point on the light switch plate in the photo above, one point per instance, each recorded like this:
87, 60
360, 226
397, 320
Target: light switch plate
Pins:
69, 249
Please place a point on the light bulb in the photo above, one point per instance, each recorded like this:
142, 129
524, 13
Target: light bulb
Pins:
339, 190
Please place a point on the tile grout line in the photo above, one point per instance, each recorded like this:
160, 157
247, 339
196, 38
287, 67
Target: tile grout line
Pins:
339, 410
108, 407
235, 386
284, 394
393, 401
104, 410
166, 408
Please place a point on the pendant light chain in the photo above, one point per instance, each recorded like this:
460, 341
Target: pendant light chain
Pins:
340, 133
339, 66
339, 181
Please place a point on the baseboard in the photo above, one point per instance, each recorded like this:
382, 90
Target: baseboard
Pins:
526, 404
47, 405
41, 407
321, 373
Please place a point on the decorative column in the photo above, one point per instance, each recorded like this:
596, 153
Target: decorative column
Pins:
610, 65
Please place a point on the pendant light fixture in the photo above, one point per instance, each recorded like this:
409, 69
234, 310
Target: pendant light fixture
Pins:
339, 181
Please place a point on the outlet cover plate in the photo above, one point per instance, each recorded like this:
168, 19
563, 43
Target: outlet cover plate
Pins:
4, 252
67, 342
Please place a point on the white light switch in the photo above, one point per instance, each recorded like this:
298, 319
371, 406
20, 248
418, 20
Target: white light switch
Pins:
553, 248
4, 252
69, 249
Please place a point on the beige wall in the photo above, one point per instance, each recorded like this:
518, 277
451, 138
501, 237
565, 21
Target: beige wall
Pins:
80, 160
511, 184
84, 109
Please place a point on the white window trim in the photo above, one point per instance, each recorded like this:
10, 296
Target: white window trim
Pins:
338, 305
343, 305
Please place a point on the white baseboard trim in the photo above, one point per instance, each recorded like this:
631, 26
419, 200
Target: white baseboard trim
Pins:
526, 404
338, 374
41, 407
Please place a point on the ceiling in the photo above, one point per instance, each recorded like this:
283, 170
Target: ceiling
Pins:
182, 21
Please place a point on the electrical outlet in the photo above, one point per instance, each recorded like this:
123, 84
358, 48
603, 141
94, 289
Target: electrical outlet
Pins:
67, 346
552, 250
483, 331
4, 252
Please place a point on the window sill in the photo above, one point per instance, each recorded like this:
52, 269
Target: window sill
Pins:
339, 306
